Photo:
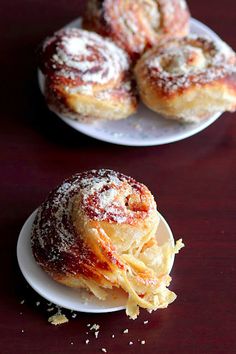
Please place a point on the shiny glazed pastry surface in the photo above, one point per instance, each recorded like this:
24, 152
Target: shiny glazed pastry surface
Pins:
86, 77
188, 79
97, 231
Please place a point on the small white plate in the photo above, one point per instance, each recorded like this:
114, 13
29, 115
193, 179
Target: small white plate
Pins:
77, 300
145, 128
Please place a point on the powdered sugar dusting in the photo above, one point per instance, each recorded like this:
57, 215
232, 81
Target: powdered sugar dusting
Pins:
95, 195
108, 197
192, 60
75, 45
136, 25
86, 58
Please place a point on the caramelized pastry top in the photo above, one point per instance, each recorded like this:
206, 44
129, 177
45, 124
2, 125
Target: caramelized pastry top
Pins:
181, 63
138, 25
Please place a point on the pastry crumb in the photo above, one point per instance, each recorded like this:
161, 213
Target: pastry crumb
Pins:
112, 336
94, 326
104, 350
143, 342
50, 309
37, 303
58, 319
22, 302
126, 330
87, 341
145, 322
131, 343
96, 333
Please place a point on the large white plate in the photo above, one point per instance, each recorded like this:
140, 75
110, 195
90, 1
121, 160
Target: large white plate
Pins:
145, 128
77, 300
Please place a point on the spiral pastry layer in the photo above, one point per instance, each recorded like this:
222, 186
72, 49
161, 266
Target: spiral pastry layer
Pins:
87, 77
188, 79
137, 25
97, 231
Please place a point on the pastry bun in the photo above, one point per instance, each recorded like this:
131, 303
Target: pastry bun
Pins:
97, 231
87, 77
137, 25
188, 79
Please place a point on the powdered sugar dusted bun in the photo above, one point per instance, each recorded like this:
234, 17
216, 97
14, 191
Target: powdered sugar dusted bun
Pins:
97, 231
87, 77
137, 25
188, 79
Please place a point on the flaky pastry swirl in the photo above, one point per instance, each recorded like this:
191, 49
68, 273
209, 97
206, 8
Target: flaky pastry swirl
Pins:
97, 231
189, 78
87, 77
137, 25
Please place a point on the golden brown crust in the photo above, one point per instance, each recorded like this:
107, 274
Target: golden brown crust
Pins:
87, 77
188, 79
77, 215
98, 231
137, 25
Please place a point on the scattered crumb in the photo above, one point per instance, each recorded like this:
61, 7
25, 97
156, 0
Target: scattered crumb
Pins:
112, 336
22, 331
145, 322
22, 302
143, 342
86, 332
88, 325
95, 326
71, 343
74, 315
58, 319
87, 341
131, 343
37, 303
21, 313
104, 350
126, 330
49, 304
50, 309
96, 333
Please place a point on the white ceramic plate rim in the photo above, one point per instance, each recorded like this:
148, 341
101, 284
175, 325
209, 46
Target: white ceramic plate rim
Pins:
64, 296
174, 131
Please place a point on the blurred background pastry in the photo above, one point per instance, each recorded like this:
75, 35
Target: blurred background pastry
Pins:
86, 77
137, 25
188, 79
97, 231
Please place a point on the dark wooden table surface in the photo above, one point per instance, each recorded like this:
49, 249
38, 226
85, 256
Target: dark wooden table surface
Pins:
194, 182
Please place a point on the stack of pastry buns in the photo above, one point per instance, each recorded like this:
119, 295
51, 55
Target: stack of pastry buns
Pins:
139, 48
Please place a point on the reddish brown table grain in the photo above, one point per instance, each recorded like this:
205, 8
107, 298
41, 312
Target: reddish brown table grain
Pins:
194, 182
